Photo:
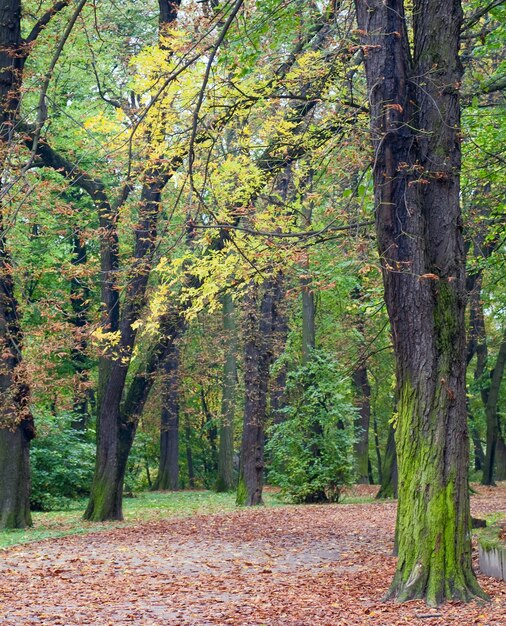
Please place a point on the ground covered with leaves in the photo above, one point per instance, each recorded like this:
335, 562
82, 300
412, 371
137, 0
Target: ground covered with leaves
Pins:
325, 565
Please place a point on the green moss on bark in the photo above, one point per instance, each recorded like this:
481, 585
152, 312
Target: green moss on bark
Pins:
102, 506
433, 522
242, 493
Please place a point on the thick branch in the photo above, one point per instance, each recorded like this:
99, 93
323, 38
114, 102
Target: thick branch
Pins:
45, 19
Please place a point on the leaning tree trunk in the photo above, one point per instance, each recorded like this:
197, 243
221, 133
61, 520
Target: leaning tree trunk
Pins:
415, 122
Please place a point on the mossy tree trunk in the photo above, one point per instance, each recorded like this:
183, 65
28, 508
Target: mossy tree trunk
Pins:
415, 122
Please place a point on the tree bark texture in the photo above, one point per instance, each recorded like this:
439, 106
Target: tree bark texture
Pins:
362, 392
389, 479
308, 320
363, 403
500, 458
491, 397
477, 343
16, 423
415, 123
114, 438
79, 298
260, 311
225, 478
168, 468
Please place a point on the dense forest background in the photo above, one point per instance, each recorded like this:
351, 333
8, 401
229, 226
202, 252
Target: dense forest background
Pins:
190, 267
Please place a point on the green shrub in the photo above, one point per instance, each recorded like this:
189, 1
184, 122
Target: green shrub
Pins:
62, 464
311, 451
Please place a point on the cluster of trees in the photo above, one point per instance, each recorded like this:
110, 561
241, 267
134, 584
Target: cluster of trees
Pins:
206, 262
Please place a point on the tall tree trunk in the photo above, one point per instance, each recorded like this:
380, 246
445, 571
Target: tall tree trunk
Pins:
308, 319
79, 299
363, 403
500, 458
168, 468
257, 360
491, 412
189, 454
225, 478
114, 435
362, 390
389, 480
477, 343
16, 424
377, 450
415, 121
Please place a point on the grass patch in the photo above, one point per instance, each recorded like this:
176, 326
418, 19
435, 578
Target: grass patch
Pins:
489, 537
145, 507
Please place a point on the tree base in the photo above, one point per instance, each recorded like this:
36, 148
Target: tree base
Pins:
435, 589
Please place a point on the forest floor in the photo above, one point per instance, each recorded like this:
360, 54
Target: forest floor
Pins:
291, 565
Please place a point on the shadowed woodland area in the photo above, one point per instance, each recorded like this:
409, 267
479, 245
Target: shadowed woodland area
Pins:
252, 253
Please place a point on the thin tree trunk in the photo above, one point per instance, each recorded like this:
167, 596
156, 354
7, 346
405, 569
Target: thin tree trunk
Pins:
414, 111
389, 481
189, 454
280, 335
168, 468
362, 388
363, 403
308, 320
79, 299
477, 345
491, 405
500, 458
225, 478
377, 449
209, 432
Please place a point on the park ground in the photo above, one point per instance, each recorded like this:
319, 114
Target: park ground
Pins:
275, 565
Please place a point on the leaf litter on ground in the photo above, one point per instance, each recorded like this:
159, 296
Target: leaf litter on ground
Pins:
295, 565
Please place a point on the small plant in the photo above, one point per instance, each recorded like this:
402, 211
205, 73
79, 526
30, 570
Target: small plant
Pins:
311, 450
